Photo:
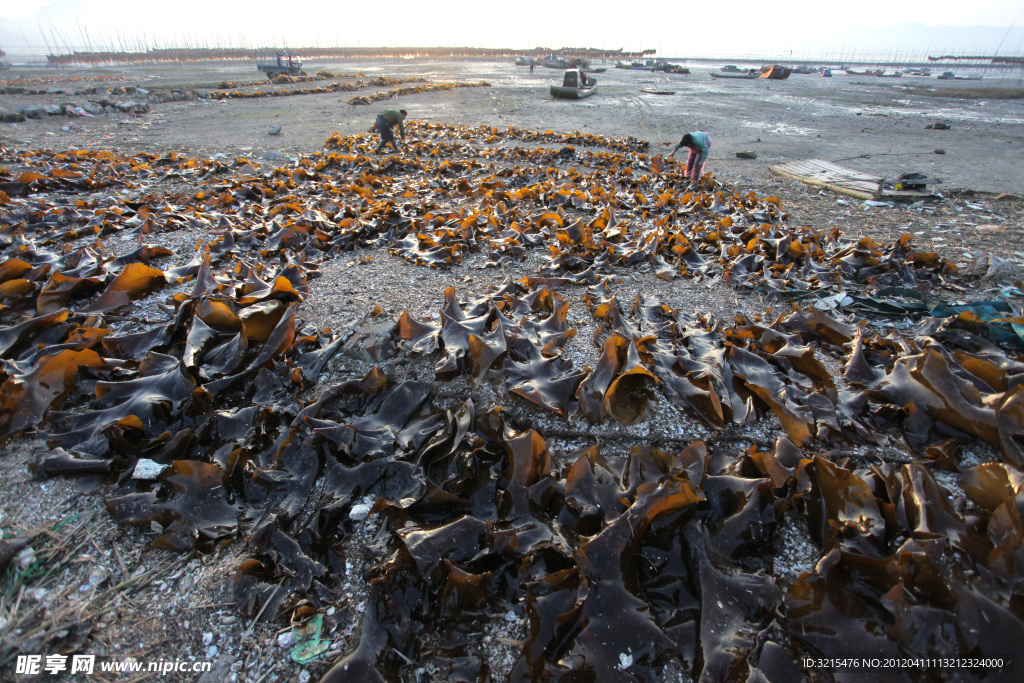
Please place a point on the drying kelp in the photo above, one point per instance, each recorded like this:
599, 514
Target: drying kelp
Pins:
625, 555
337, 86
399, 92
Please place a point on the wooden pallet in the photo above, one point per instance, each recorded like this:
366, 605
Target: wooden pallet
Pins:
821, 173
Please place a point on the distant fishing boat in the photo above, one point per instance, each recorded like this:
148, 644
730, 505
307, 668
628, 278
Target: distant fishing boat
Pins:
950, 76
804, 69
868, 72
560, 62
669, 68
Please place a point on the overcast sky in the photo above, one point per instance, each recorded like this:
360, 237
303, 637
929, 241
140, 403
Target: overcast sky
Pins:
732, 27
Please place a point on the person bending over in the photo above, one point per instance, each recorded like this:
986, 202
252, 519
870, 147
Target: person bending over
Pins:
699, 144
387, 119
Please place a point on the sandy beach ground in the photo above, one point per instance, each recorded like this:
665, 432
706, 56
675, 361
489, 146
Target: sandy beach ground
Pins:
134, 601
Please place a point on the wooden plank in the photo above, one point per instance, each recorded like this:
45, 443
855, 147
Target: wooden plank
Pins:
825, 174
829, 176
778, 170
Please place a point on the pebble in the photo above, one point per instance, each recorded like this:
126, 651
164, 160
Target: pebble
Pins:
147, 470
360, 511
26, 557
286, 639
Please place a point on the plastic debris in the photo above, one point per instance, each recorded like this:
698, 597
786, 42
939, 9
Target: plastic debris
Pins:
308, 643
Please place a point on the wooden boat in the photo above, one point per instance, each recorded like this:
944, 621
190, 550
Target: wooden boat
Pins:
731, 69
655, 91
879, 72
826, 73
741, 75
804, 69
575, 86
596, 71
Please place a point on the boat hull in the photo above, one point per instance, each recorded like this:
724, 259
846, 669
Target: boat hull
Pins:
561, 92
740, 76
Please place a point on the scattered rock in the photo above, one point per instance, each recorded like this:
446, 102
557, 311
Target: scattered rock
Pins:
147, 470
133, 107
360, 511
938, 126
32, 111
8, 116
940, 151
274, 130
746, 155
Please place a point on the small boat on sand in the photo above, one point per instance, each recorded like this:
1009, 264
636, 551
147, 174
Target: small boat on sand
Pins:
575, 86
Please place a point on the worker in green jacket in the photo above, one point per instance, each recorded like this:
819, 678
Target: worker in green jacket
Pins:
387, 119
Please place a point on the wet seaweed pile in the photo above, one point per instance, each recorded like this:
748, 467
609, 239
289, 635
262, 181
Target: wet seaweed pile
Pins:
627, 557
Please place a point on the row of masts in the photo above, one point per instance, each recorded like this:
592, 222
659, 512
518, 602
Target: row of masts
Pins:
116, 46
